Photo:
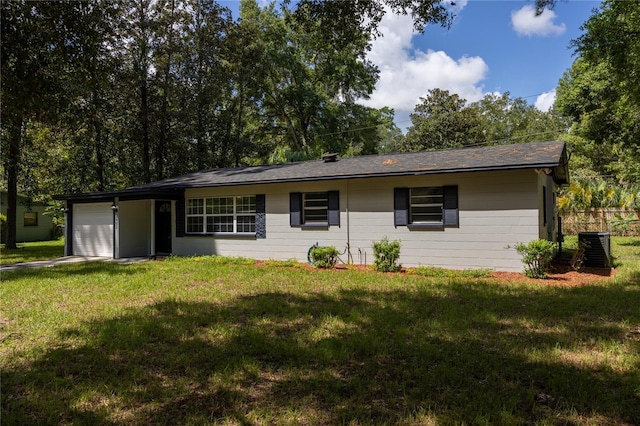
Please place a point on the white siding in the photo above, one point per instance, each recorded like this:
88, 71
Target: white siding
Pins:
497, 209
93, 229
134, 228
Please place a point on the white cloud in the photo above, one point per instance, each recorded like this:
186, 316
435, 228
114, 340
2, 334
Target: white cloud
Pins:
545, 101
525, 22
406, 73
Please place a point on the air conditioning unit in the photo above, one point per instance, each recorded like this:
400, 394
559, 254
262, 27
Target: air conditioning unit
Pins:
598, 249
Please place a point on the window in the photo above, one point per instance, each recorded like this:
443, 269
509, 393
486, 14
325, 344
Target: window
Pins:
426, 207
315, 209
224, 215
30, 219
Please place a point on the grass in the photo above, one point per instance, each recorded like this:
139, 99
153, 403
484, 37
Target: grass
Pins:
29, 252
208, 340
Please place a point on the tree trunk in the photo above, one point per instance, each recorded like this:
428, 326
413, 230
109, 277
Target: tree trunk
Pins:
99, 155
12, 166
144, 119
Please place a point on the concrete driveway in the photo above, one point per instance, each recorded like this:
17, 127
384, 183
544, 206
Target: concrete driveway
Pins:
67, 260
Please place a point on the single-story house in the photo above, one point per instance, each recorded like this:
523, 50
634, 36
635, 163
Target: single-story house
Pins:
454, 208
31, 222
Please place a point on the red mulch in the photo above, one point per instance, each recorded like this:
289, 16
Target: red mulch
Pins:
560, 274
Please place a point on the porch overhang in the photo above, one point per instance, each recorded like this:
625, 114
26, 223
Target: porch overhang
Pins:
124, 195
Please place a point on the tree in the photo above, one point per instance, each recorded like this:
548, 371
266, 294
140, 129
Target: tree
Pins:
442, 120
38, 52
600, 92
512, 120
612, 36
308, 87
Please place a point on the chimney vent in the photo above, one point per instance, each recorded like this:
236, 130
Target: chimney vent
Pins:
330, 158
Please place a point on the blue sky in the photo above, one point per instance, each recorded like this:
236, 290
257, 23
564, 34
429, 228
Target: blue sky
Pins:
493, 46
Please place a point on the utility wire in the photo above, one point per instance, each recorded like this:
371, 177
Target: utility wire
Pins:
357, 129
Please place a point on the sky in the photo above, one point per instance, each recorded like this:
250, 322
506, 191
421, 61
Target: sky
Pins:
493, 46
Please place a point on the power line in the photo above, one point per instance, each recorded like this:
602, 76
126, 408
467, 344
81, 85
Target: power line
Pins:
405, 121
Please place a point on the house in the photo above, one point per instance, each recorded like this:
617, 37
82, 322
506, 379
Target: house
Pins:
31, 222
456, 208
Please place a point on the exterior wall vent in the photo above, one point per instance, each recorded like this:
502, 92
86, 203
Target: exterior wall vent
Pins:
330, 158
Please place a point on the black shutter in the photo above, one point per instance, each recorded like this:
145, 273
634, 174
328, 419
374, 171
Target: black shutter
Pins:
400, 206
69, 229
261, 216
450, 215
180, 216
333, 213
295, 208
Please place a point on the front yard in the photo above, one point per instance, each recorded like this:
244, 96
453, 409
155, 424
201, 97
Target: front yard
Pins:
30, 252
225, 341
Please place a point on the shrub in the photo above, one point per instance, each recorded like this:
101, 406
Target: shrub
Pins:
386, 254
324, 257
536, 257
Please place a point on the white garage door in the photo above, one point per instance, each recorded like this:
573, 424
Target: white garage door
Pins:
93, 229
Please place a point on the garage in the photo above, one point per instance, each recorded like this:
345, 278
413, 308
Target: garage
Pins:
92, 233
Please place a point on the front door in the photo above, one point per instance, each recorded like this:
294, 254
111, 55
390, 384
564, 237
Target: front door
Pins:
163, 227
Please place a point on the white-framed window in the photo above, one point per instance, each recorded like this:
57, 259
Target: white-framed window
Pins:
426, 204
221, 215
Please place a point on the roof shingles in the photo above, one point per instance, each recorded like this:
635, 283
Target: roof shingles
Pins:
500, 157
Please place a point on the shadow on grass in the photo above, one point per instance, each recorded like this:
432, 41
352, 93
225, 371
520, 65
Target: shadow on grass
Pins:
635, 242
71, 269
476, 353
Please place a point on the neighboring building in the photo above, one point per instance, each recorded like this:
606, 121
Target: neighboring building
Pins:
457, 208
31, 222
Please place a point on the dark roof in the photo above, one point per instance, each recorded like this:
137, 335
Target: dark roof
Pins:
548, 155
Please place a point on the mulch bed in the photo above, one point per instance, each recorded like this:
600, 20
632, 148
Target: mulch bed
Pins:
560, 274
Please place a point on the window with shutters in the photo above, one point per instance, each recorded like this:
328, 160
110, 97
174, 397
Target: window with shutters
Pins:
433, 207
314, 209
221, 215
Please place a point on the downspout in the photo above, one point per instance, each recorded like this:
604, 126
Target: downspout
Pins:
68, 230
116, 230
348, 228
152, 229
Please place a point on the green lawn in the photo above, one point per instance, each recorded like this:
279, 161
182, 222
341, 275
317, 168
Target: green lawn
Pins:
29, 252
209, 341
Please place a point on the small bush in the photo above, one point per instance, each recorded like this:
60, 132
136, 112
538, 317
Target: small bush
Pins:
386, 254
324, 257
536, 257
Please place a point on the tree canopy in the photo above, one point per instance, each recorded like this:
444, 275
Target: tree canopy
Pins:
103, 94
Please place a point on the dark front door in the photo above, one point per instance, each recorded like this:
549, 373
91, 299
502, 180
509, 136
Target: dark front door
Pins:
163, 227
